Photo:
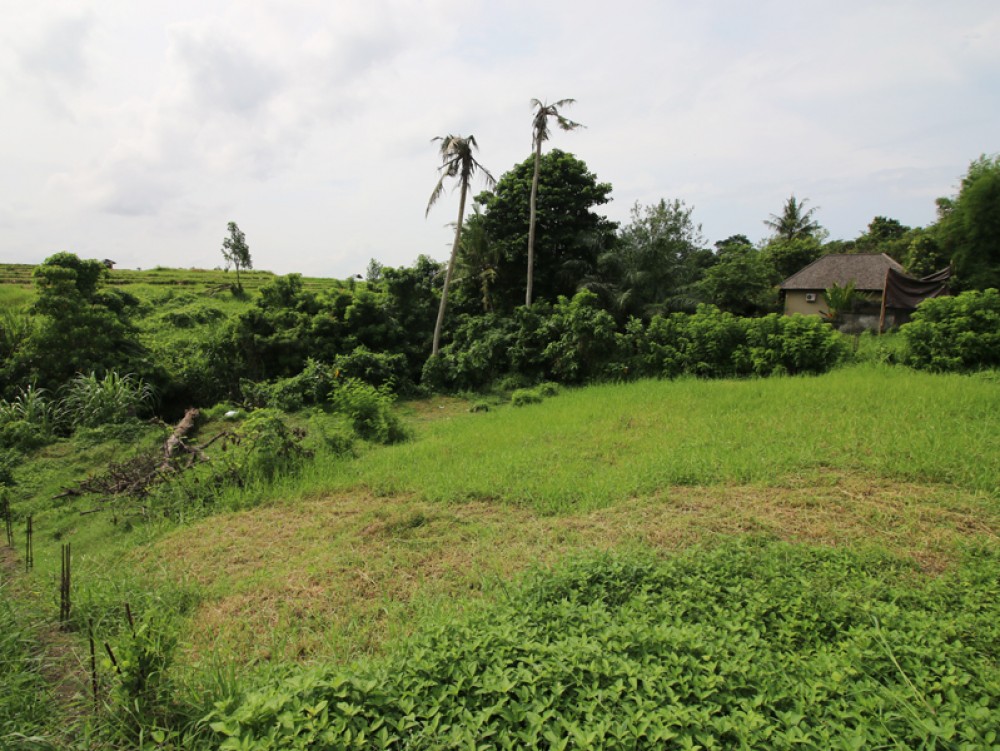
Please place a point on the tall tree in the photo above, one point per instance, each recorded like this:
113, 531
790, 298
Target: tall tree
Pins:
969, 226
457, 161
794, 223
571, 233
539, 134
236, 251
79, 326
655, 263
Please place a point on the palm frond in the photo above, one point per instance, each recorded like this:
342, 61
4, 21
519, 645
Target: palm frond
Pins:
540, 122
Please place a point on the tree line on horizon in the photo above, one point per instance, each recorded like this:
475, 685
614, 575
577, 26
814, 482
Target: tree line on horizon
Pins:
533, 241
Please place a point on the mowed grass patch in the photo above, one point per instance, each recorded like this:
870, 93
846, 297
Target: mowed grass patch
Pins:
594, 447
339, 577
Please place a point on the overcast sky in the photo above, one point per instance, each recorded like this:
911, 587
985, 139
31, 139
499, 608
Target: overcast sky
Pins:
136, 130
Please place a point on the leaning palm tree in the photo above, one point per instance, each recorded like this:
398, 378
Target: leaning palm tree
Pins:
457, 160
794, 223
540, 133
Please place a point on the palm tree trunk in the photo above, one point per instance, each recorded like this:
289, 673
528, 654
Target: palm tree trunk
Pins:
447, 274
531, 222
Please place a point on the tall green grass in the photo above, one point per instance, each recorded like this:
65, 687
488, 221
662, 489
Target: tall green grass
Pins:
25, 703
601, 445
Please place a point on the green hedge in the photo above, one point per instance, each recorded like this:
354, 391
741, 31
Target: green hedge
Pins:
958, 333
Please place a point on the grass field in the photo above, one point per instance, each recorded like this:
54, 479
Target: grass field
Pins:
892, 472
153, 286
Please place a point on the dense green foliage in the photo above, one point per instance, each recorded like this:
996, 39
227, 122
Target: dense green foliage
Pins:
570, 235
955, 333
753, 645
969, 227
655, 264
79, 326
576, 341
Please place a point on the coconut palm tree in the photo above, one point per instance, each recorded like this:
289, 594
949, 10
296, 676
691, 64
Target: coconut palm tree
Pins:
540, 133
457, 161
794, 223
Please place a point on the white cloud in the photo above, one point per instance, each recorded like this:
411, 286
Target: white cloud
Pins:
310, 122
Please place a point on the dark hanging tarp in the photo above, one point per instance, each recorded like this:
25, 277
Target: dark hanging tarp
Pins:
905, 293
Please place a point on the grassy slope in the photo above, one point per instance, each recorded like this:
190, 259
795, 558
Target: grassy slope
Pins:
596, 447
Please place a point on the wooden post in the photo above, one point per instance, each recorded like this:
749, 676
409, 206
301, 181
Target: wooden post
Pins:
64, 584
93, 662
885, 290
29, 548
7, 515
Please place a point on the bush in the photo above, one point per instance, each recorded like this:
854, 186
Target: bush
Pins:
778, 344
387, 369
369, 409
90, 401
581, 339
959, 333
272, 448
523, 397
310, 387
29, 420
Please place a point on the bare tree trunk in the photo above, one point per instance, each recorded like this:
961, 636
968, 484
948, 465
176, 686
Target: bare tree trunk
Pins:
531, 223
451, 269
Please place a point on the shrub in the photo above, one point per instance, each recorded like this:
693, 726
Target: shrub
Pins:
955, 333
547, 389
523, 397
792, 344
29, 420
90, 401
581, 339
369, 409
376, 368
310, 387
272, 448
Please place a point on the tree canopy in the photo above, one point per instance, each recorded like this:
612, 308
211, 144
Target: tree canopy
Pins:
795, 222
236, 251
969, 226
655, 263
571, 233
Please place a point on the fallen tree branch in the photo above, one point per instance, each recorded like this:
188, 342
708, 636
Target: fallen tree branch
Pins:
175, 442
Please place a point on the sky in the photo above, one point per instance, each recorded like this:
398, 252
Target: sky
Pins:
136, 131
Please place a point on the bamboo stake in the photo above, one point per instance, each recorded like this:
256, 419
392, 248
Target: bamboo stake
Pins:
8, 520
29, 547
64, 585
93, 662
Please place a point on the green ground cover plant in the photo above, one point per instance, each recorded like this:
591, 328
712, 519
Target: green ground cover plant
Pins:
749, 645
